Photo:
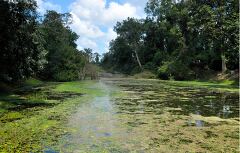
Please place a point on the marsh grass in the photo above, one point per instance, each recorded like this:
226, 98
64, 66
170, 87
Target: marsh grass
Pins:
222, 85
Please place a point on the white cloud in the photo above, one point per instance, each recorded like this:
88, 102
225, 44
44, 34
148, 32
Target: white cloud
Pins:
97, 12
85, 43
85, 28
116, 12
110, 35
43, 6
140, 6
91, 17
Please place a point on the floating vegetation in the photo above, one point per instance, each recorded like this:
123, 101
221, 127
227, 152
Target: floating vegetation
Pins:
123, 115
155, 117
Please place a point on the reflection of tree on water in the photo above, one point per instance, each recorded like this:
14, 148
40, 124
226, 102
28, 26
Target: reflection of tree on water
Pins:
198, 123
223, 105
225, 111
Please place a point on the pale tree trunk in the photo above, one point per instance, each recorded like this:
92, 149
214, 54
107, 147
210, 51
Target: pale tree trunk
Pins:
138, 60
137, 57
185, 48
223, 58
224, 66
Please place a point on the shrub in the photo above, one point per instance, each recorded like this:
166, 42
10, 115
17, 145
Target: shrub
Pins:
65, 76
162, 72
177, 70
145, 75
180, 71
135, 70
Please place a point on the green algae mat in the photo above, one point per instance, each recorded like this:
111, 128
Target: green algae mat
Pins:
119, 116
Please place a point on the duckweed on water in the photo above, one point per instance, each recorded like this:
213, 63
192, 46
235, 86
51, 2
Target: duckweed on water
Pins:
34, 118
120, 115
151, 117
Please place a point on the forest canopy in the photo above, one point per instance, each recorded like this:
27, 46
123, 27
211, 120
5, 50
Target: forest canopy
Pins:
178, 39
38, 46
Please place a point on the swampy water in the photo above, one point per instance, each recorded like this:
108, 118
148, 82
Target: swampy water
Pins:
154, 116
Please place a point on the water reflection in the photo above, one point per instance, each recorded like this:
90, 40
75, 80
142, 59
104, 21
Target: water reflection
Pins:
50, 151
197, 123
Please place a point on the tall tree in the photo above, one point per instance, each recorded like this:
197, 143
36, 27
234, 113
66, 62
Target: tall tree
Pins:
131, 31
19, 52
64, 60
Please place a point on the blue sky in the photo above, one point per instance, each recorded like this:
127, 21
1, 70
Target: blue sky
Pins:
94, 20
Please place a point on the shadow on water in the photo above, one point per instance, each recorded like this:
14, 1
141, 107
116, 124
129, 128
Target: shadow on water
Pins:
15, 103
25, 99
29, 99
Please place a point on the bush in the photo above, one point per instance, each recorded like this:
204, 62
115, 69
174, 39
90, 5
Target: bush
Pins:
150, 66
135, 70
32, 82
177, 70
145, 75
66, 76
180, 71
162, 72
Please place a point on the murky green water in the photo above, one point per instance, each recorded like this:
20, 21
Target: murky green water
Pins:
150, 116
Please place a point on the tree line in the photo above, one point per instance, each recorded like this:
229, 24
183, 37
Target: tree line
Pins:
43, 47
178, 39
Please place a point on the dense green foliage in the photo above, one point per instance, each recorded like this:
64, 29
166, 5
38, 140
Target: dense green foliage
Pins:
64, 60
43, 47
178, 40
19, 53
34, 117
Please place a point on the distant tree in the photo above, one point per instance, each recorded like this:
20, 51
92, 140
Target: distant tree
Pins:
89, 54
96, 58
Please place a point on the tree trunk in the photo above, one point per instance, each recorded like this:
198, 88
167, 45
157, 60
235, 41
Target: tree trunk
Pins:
185, 48
138, 60
137, 57
224, 66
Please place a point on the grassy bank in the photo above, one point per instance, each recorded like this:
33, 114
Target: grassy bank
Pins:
225, 85
221, 85
218, 81
33, 117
